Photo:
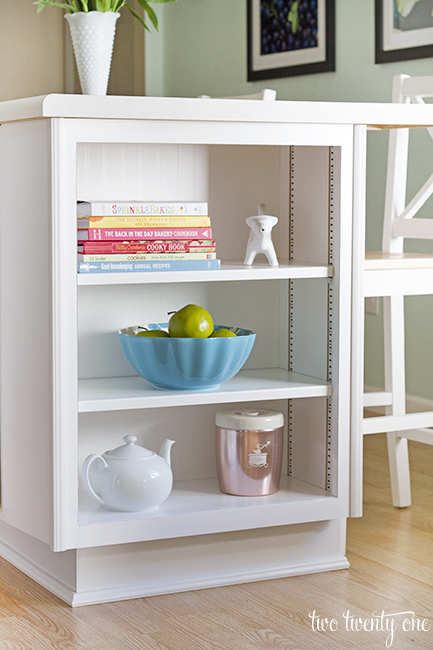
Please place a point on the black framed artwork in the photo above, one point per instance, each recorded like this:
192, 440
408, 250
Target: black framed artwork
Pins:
290, 37
404, 30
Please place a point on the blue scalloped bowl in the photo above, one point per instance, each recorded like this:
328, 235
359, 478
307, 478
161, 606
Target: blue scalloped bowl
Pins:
186, 364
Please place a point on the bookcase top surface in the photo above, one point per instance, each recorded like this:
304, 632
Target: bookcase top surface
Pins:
374, 115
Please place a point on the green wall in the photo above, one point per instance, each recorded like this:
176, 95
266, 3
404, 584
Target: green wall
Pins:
202, 49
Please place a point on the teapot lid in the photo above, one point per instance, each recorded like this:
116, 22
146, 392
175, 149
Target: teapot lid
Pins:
130, 450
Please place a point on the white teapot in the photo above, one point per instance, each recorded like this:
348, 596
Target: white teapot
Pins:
129, 478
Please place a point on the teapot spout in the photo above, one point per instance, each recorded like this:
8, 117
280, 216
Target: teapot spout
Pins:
165, 451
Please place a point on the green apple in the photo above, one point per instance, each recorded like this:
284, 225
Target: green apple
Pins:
191, 322
153, 333
222, 332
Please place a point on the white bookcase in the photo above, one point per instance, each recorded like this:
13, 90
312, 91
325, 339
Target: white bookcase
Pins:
67, 389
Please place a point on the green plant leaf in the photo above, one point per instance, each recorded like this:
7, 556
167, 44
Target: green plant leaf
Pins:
137, 16
51, 3
118, 5
104, 5
150, 12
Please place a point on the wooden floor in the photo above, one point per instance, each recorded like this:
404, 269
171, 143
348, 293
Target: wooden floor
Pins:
391, 556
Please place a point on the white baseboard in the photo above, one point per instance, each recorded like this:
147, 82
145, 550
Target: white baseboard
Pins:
37, 574
129, 592
168, 586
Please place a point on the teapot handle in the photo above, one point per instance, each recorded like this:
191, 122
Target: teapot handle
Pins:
86, 479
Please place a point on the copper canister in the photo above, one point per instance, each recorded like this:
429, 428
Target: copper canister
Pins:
249, 451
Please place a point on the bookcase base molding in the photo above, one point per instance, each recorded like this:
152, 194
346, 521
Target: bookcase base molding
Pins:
121, 572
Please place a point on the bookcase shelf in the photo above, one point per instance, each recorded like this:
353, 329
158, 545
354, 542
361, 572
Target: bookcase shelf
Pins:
230, 271
195, 507
111, 394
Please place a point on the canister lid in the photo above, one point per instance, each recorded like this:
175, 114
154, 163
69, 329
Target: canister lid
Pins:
251, 419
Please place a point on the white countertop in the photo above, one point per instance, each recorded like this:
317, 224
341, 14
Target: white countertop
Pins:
374, 115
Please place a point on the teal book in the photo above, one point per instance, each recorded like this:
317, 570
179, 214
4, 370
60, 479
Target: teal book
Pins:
148, 266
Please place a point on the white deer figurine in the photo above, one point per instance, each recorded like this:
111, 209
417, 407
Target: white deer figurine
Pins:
260, 239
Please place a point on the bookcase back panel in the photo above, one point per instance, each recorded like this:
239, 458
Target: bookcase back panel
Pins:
134, 172
309, 327
242, 179
103, 310
310, 202
309, 440
193, 429
237, 182
234, 180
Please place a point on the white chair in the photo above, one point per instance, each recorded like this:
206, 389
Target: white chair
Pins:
392, 274
267, 94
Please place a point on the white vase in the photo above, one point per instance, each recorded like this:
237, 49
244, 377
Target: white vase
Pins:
92, 36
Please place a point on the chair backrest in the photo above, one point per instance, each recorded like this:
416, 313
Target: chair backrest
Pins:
399, 222
267, 94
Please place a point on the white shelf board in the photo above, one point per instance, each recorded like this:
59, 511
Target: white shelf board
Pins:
122, 393
197, 507
229, 271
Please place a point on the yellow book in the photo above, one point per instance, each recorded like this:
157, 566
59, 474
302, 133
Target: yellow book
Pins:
151, 221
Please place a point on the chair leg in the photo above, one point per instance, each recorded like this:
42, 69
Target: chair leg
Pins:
395, 382
398, 457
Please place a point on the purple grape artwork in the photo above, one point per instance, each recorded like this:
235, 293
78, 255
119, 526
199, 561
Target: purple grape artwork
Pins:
287, 25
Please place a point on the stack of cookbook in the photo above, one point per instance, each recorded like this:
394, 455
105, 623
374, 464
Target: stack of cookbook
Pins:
144, 236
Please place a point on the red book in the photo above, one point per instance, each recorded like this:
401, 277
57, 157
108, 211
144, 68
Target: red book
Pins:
140, 234
150, 246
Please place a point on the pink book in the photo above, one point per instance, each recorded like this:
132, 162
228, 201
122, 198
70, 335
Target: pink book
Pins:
129, 234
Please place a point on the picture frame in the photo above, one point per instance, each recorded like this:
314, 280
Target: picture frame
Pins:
403, 30
305, 43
